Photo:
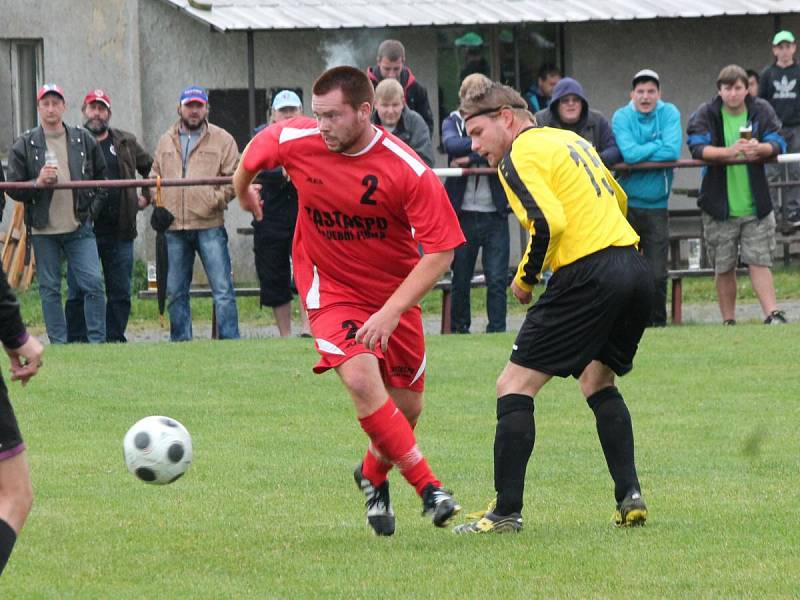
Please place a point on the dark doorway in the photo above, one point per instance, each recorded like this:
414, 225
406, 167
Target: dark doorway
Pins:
229, 110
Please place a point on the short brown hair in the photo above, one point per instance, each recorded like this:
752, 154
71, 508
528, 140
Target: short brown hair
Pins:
392, 50
485, 96
731, 74
354, 83
475, 80
388, 90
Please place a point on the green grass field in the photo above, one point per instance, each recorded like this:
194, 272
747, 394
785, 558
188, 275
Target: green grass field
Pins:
269, 508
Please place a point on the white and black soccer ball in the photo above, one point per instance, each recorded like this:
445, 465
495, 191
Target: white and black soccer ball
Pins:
157, 450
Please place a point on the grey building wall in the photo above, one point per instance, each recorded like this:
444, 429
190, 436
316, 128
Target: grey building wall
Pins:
177, 51
87, 44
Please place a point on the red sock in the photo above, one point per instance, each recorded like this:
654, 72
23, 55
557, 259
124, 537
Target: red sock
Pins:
392, 436
374, 466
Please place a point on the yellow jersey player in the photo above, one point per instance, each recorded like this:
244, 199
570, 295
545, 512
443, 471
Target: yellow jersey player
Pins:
591, 316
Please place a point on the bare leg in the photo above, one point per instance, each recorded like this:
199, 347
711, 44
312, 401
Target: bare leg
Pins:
726, 294
16, 497
764, 287
410, 403
16, 494
283, 318
361, 376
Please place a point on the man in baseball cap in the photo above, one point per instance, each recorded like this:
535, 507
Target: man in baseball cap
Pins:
778, 85
783, 36
60, 220
647, 129
97, 95
115, 224
194, 93
50, 88
272, 235
198, 227
286, 99
646, 75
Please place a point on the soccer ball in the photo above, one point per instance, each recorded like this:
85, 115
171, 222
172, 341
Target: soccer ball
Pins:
157, 450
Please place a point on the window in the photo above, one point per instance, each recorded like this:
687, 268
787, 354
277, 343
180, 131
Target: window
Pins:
26, 77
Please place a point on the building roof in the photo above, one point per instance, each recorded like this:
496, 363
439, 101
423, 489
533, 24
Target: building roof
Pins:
258, 15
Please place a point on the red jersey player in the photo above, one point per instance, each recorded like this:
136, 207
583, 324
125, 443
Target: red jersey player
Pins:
365, 203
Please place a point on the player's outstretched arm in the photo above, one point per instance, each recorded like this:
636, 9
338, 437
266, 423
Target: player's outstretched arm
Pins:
377, 329
249, 195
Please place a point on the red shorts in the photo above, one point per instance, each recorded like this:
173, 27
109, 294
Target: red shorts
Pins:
402, 366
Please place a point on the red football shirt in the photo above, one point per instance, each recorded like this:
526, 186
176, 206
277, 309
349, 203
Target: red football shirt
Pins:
360, 216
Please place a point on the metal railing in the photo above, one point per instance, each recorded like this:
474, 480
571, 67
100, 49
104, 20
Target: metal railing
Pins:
440, 172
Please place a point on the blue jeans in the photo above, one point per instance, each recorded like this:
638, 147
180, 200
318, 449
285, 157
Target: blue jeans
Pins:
488, 231
212, 246
116, 257
83, 262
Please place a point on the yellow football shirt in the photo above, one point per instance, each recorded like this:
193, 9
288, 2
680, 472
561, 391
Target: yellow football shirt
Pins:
565, 197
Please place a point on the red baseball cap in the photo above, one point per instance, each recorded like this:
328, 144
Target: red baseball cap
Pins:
97, 95
50, 88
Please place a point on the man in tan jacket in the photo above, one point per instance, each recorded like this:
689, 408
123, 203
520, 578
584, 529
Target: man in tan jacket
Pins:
194, 148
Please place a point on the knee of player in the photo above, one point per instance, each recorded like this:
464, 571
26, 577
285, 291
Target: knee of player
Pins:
593, 382
507, 383
363, 389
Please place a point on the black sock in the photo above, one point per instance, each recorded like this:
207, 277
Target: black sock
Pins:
615, 431
513, 445
7, 539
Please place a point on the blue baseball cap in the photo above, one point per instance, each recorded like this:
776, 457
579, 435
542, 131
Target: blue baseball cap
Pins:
194, 94
285, 99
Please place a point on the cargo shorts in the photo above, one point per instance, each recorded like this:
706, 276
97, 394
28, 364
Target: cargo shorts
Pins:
749, 237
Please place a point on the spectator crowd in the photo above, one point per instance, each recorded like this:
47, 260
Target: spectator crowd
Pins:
753, 117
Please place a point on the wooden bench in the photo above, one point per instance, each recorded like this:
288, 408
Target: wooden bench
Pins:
445, 286
676, 276
204, 293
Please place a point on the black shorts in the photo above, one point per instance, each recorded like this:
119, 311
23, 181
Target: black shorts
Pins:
11, 442
593, 309
274, 269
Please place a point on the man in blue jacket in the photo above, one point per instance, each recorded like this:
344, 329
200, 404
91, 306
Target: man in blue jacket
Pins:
648, 129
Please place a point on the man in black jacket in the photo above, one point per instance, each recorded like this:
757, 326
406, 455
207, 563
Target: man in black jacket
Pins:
391, 65
780, 86
25, 353
735, 200
115, 225
60, 220
272, 235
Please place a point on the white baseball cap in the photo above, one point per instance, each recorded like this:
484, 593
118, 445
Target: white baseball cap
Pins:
285, 99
